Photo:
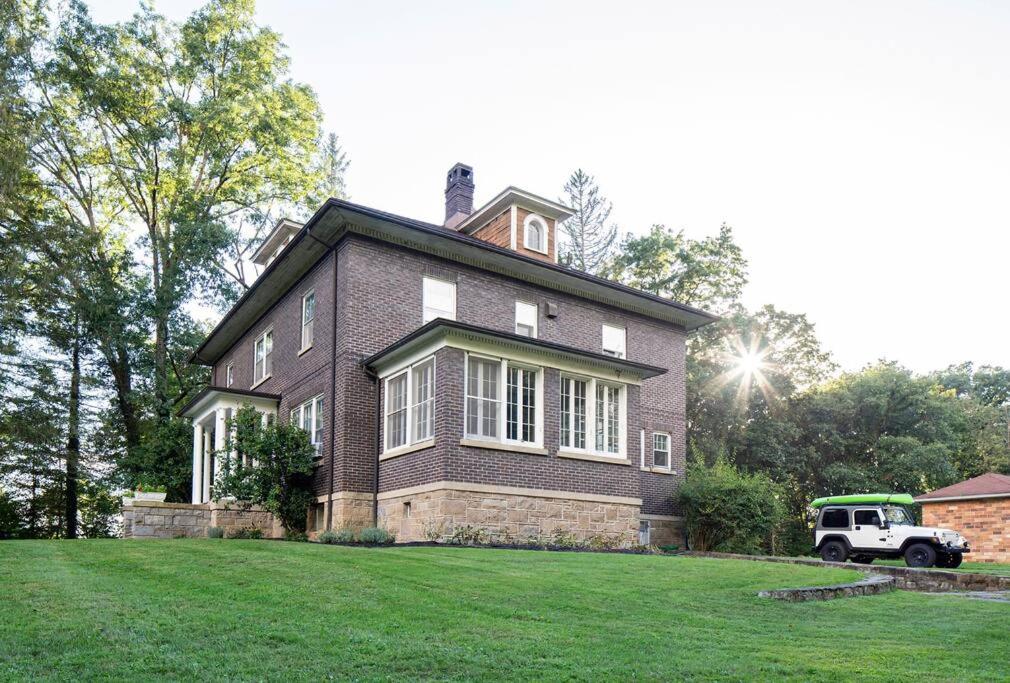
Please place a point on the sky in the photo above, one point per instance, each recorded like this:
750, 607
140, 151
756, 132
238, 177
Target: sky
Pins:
859, 150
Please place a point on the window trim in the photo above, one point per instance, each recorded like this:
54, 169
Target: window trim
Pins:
603, 342
266, 375
669, 450
526, 233
424, 306
411, 443
303, 347
536, 317
622, 422
300, 408
504, 363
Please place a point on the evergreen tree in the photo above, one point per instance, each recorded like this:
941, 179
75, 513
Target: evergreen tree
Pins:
588, 236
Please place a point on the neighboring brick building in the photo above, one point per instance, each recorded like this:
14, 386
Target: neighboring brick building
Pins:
456, 375
979, 508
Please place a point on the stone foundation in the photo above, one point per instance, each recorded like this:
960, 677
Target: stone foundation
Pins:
151, 519
427, 513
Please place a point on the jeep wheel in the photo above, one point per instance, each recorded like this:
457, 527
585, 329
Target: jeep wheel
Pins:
920, 555
834, 551
862, 559
949, 560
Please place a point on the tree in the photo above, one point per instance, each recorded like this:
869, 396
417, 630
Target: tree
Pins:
272, 466
709, 273
588, 235
181, 129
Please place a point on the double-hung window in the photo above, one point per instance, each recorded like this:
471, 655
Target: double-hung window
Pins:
309, 416
593, 416
410, 405
614, 341
308, 319
263, 350
526, 319
439, 299
503, 401
661, 450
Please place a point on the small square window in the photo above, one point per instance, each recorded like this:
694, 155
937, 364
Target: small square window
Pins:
614, 341
439, 299
526, 319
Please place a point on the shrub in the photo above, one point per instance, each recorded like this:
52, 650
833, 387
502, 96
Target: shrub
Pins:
728, 511
375, 536
330, 536
469, 535
564, 539
296, 536
215, 532
247, 533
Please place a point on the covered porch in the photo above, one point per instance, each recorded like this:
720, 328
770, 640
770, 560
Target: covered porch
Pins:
210, 411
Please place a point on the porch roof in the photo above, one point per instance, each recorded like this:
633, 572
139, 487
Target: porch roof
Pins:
442, 330
210, 395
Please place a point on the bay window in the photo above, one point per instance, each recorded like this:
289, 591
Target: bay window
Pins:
592, 416
410, 405
309, 416
500, 394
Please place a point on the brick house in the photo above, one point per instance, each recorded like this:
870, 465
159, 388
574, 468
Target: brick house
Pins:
455, 374
979, 508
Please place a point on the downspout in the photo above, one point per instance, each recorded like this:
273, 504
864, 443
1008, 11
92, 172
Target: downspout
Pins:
378, 427
333, 396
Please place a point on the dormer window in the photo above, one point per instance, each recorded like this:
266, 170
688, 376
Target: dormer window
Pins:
535, 234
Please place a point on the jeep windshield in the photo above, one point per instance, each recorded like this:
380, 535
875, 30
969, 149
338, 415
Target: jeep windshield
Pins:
898, 516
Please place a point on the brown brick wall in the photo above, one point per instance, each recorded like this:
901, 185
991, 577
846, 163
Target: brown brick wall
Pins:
985, 522
380, 301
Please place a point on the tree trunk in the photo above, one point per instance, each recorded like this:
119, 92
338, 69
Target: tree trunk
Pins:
74, 436
118, 360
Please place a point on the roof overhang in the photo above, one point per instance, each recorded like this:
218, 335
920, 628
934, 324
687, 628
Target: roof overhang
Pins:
513, 195
441, 332
977, 496
211, 396
336, 218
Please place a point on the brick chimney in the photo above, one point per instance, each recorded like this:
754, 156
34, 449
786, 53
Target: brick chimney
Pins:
458, 195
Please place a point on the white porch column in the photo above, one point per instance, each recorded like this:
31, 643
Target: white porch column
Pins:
197, 460
206, 467
220, 441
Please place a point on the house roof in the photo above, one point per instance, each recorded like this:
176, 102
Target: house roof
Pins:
440, 328
283, 230
208, 394
337, 218
513, 195
989, 485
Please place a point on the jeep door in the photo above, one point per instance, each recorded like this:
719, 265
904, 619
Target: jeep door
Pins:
866, 531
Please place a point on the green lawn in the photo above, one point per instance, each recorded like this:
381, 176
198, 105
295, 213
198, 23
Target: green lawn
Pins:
217, 610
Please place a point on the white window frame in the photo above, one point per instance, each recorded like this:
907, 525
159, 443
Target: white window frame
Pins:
410, 438
502, 412
526, 232
622, 421
308, 324
229, 374
269, 332
616, 350
669, 450
429, 312
526, 307
316, 409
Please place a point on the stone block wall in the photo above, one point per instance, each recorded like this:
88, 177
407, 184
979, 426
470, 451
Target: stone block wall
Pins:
985, 522
434, 513
151, 519
665, 530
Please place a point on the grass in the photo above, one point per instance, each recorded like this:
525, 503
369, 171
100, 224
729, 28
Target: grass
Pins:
227, 610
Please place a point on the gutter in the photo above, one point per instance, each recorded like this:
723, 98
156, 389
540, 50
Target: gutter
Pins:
976, 496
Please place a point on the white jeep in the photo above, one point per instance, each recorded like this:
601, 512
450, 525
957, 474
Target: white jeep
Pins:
867, 531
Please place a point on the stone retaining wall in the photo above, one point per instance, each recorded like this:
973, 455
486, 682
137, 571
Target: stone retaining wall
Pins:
874, 584
151, 519
924, 580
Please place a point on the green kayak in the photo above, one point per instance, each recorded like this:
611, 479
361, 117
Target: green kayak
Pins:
867, 498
